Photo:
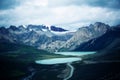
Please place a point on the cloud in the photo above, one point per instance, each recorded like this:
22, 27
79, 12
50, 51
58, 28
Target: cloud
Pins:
85, 15
114, 4
64, 13
9, 4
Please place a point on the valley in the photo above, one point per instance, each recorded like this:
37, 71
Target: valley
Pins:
38, 52
59, 39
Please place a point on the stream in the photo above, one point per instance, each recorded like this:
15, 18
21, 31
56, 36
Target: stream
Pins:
71, 72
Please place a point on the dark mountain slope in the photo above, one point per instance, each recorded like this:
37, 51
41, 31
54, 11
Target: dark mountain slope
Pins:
85, 34
58, 29
100, 42
104, 65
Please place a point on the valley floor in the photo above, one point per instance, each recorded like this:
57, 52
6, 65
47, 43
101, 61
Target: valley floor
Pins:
83, 70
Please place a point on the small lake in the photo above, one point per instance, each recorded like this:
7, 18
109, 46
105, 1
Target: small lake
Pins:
57, 60
74, 53
63, 60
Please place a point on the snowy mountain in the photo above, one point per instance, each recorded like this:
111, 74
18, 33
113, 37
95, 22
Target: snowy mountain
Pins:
54, 38
39, 36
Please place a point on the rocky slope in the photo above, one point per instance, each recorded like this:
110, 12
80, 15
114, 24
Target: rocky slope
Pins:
85, 34
87, 38
101, 42
40, 36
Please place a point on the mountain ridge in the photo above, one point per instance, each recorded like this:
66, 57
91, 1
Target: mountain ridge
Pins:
101, 42
58, 39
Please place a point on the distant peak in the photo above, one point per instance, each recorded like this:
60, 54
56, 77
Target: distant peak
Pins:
13, 27
58, 29
21, 26
100, 23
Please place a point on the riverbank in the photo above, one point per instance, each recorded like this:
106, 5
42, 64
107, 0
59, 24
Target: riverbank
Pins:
70, 71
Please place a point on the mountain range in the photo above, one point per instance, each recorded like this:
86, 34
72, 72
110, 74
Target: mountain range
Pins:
101, 42
86, 38
17, 57
40, 36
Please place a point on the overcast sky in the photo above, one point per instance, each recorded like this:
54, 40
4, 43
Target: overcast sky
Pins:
59, 12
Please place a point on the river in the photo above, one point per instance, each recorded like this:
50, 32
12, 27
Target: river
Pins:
71, 71
67, 61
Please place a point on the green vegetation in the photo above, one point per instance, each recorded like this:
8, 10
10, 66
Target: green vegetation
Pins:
16, 58
23, 53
